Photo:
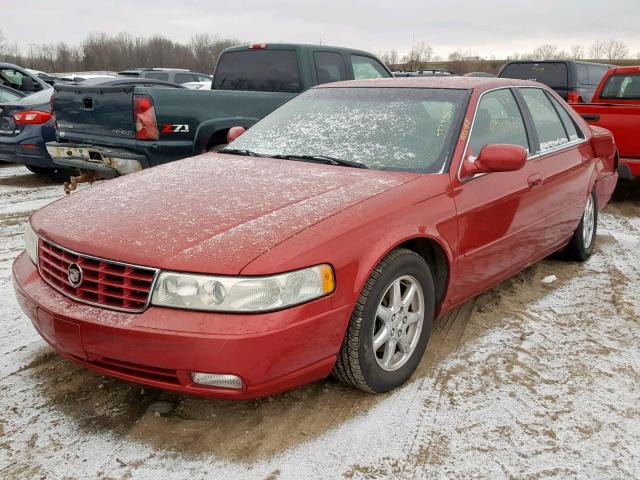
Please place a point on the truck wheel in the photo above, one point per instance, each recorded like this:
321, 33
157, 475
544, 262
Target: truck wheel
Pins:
390, 324
583, 241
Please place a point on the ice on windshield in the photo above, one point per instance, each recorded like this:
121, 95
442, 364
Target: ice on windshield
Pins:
384, 128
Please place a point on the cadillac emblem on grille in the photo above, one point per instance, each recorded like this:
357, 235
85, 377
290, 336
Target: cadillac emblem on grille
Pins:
74, 275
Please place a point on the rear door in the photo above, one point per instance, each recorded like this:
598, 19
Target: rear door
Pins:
105, 111
567, 165
499, 214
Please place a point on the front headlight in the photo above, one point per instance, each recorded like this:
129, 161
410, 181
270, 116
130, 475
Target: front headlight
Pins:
31, 242
242, 294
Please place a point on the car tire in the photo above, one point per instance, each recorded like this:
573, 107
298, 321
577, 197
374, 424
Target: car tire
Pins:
388, 365
582, 242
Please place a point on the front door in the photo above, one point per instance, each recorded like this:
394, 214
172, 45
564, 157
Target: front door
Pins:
500, 228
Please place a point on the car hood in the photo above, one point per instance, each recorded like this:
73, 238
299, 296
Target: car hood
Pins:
212, 213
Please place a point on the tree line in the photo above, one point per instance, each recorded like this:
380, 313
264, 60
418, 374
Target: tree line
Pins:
103, 52
422, 54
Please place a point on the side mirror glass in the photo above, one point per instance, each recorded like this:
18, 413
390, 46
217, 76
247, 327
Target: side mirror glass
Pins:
235, 132
495, 158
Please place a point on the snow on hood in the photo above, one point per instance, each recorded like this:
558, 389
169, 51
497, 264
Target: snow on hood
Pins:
212, 213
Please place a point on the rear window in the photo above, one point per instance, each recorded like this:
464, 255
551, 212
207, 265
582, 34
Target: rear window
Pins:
551, 74
258, 70
622, 87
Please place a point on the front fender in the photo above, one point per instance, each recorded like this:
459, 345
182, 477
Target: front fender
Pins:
208, 129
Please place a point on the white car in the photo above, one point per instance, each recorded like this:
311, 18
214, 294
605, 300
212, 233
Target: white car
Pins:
198, 85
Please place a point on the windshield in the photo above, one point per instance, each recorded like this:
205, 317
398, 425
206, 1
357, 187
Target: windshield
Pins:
406, 129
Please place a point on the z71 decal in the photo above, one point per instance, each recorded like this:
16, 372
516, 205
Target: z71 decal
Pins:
175, 128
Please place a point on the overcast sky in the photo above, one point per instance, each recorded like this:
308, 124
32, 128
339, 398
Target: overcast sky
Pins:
488, 27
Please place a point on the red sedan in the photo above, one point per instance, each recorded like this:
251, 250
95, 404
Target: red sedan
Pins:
325, 239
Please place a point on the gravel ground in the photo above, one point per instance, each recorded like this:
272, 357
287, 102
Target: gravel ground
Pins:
529, 380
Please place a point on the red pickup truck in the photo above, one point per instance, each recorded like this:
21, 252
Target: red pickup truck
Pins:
616, 107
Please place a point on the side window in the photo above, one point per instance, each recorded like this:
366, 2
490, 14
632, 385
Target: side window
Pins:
330, 67
623, 87
367, 67
498, 120
184, 78
157, 75
583, 74
551, 132
596, 73
569, 125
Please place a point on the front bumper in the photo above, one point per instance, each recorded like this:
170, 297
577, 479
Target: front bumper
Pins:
161, 347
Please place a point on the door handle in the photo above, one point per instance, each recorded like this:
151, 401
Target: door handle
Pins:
591, 117
534, 180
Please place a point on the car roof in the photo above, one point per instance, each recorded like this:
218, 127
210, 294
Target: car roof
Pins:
125, 81
298, 46
581, 62
445, 81
629, 69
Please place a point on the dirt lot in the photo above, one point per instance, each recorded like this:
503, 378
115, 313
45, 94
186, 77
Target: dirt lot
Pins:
527, 381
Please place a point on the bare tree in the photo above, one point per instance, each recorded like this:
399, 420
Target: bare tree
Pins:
577, 52
2, 44
615, 49
423, 52
455, 56
597, 50
546, 52
390, 57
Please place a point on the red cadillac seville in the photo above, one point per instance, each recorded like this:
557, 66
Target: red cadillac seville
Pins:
323, 240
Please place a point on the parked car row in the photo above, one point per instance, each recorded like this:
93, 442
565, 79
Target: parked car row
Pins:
324, 239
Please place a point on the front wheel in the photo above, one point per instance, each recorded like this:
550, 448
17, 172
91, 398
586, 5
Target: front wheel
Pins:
583, 241
390, 324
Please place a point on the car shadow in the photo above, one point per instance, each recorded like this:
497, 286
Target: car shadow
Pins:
25, 179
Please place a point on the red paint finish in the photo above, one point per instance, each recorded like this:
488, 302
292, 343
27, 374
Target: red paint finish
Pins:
621, 116
257, 216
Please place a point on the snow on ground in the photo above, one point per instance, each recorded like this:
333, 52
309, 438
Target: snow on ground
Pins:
529, 380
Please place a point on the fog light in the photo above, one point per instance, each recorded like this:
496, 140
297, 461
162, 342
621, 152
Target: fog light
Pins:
217, 380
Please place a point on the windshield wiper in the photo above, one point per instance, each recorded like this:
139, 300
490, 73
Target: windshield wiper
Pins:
323, 159
241, 151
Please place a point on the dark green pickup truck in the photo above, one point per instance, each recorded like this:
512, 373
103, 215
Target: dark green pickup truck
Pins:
113, 131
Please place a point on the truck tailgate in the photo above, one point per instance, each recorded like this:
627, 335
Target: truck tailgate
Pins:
106, 111
622, 120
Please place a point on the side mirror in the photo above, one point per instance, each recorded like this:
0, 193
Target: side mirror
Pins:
495, 158
235, 132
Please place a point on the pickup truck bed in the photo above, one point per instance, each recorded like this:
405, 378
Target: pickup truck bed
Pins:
96, 129
119, 130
